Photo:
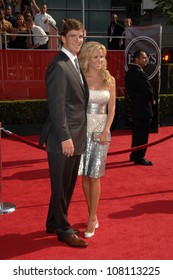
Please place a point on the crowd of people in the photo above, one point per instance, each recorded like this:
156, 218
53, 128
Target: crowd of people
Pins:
14, 15
116, 33
28, 25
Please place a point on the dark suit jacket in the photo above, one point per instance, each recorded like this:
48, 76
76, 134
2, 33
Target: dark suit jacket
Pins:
67, 101
114, 43
140, 92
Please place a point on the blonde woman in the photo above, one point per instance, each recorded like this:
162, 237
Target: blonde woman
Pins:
100, 115
19, 42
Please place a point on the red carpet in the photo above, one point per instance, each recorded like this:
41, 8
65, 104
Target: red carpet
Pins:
135, 211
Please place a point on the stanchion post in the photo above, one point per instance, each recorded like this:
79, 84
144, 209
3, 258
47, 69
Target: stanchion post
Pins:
5, 207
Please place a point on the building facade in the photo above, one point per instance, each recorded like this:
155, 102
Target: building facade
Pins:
95, 15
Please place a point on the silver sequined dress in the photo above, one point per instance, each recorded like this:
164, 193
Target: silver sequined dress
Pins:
93, 161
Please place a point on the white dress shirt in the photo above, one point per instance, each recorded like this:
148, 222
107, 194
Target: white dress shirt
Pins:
72, 58
39, 35
70, 55
40, 18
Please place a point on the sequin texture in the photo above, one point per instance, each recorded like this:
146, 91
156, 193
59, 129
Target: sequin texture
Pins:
93, 161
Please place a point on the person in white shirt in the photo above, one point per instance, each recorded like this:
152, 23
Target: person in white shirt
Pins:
44, 20
39, 39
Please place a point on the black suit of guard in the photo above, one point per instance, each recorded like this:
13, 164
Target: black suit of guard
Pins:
141, 95
114, 30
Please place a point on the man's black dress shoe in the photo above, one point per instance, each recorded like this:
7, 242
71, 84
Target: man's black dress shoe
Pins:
143, 161
74, 241
131, 159
52, 230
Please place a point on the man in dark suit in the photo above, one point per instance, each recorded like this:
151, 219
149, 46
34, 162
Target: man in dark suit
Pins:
115, 29
65, 130
9, 15
141, 96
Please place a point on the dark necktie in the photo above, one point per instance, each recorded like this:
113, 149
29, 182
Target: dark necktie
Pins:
78, 68
77, 65
30, 39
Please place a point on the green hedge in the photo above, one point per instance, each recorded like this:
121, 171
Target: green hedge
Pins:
166, 105
29, 112
23, 112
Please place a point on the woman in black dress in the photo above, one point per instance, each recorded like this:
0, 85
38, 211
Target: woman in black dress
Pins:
19, 42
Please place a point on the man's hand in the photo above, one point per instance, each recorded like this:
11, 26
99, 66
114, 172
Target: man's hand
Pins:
68, 148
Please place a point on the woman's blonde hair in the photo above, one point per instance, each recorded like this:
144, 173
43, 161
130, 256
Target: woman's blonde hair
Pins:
87, 51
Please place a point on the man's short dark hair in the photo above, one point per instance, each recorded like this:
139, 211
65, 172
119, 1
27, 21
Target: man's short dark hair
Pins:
70, 24
137, 54
29, 20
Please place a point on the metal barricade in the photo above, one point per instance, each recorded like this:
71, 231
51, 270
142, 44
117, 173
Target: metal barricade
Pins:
0, 42
5, 207
22, 73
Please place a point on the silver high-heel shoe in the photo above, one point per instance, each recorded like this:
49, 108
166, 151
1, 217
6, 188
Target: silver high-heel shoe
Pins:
97, 224
90, 234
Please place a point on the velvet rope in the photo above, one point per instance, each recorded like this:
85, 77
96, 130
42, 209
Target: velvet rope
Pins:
9, 133
141, 146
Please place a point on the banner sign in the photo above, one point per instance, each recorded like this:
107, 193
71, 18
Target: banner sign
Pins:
147, 38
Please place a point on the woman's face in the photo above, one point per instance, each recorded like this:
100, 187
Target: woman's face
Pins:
96, 60
20, 20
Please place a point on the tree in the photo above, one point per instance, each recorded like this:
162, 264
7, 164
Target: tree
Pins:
166, 9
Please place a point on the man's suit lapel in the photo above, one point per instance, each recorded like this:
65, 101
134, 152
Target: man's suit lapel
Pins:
71, 66
74, 71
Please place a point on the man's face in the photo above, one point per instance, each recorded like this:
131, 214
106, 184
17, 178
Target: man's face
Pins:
142, 60
73, 41
114, 19
43, 9
127, 22
29, 25
8, 11
1, 16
